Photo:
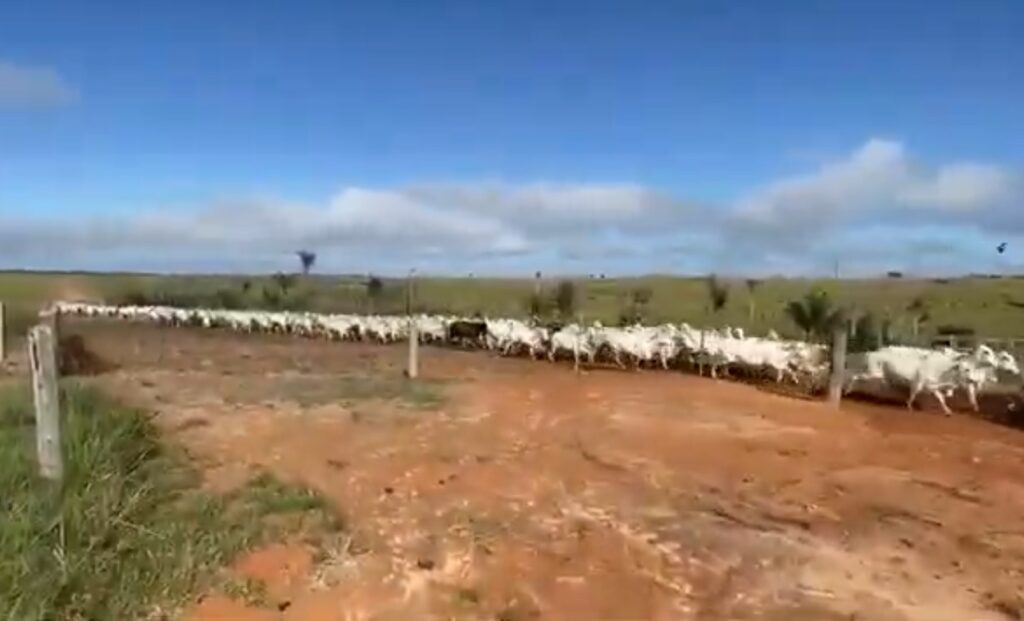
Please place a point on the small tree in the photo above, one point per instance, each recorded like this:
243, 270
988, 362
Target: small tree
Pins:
752, 285
718, 294
284, 282
374, 290
642, 296
535, 305
918, 309
565, 299
307, 259
635, 309
271, 298
865, 334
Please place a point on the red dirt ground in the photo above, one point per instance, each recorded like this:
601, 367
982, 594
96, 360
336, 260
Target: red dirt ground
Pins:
535, 493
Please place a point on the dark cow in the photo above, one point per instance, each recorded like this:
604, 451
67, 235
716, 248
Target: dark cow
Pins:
471, 332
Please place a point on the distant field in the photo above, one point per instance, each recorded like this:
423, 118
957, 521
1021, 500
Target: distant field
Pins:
992, 307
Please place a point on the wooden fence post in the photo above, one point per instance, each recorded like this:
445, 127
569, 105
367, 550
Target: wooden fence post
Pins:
413, 367
42, 354
50, 316
3, 332
838, 370
700, 355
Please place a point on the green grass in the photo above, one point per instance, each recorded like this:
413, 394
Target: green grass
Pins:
420, 394
313, 390
983, 304
129, 530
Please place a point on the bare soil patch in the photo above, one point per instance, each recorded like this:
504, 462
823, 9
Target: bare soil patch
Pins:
520, 490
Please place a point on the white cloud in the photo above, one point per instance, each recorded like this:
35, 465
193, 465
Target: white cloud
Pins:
877, 182
471, 222
964, 187
27, 86
878, 195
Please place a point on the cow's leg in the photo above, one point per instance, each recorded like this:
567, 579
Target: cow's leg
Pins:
942, 401
915, 388
551, 354
850, 383
972, 396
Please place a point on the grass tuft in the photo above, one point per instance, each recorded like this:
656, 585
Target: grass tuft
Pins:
129, 529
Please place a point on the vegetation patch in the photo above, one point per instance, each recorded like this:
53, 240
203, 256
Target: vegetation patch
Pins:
129, 531
310, 390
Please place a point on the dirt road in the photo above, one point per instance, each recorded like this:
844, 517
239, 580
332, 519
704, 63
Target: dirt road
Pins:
529, 492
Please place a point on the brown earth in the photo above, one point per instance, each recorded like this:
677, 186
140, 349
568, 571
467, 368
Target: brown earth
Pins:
531, 492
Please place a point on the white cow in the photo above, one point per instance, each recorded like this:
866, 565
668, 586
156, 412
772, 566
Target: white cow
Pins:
937, 372
572, 338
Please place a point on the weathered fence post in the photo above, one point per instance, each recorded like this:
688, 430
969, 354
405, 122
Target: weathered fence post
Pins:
50, 316
3, 332
42, 355
838, 368
413, 368
700, 355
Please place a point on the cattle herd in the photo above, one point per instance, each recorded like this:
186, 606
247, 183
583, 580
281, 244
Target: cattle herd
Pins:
725, 351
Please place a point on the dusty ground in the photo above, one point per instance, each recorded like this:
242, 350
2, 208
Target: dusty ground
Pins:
530, 492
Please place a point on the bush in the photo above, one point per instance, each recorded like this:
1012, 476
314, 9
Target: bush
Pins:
866, 334
374, 287
630, 316
565, 299
536, 305
272, 298
228, 299
718, 293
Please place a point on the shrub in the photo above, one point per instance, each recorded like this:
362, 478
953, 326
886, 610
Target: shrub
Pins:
565, 299
718, 293
866, 334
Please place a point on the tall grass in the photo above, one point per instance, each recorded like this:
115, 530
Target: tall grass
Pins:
128, 530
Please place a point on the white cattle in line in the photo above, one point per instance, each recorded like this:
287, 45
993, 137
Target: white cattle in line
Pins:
936, 372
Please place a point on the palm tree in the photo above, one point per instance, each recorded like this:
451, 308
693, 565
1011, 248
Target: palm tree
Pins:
307, 258
814, 315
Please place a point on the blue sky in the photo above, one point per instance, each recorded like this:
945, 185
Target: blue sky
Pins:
510, 136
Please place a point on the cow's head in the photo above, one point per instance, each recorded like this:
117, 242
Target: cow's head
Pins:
1006, 363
